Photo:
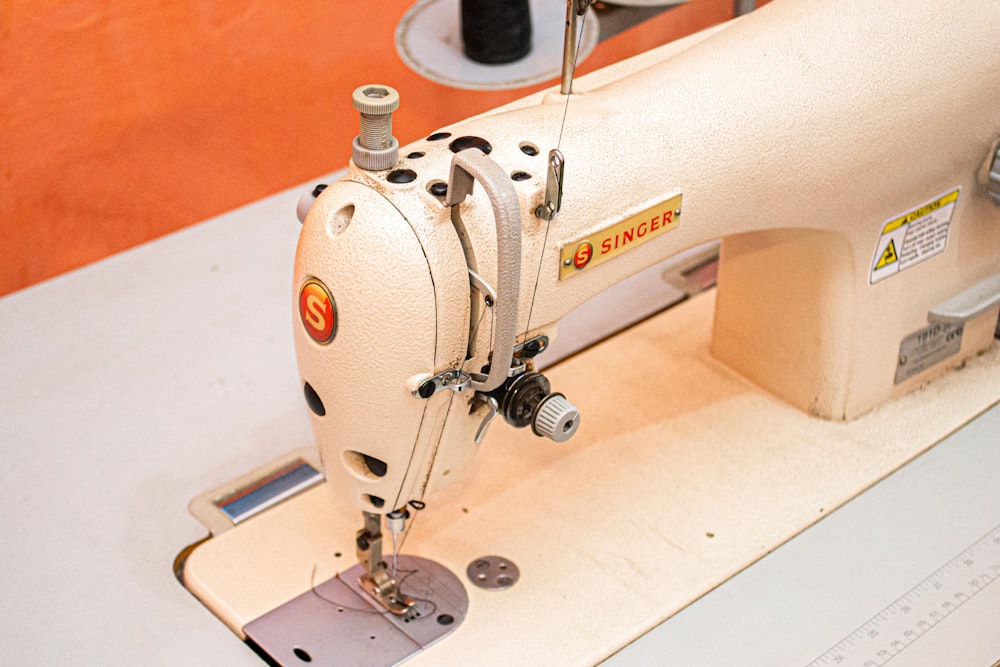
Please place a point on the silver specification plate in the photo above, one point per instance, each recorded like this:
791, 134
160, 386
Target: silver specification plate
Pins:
926, 347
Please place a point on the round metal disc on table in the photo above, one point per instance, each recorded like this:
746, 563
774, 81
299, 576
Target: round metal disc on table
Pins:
429, 41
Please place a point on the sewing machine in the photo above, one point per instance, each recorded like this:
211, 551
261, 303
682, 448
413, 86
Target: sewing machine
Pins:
847, 158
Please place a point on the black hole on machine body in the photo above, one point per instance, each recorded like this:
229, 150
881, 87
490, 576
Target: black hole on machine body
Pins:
376, 501
302, 654
402, 176
438, 136
520, 176
313, 400
376, 466
445, 619
415, 154
529, 149
318, 189
460, 144
438, 189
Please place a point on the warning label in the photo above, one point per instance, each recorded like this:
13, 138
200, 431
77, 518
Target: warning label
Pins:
914, 236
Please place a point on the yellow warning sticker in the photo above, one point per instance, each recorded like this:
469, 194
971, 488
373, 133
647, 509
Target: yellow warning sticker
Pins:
888, 256
911, 237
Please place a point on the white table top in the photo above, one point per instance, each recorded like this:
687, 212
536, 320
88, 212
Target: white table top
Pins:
135, 384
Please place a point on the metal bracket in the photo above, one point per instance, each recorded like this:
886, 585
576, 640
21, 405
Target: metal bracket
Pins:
483, 287
453, 379
553, 186
467, 167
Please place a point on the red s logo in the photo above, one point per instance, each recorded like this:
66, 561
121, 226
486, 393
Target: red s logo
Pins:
583, 255
317, 311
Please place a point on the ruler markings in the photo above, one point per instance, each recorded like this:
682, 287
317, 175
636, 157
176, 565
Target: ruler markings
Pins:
889, 632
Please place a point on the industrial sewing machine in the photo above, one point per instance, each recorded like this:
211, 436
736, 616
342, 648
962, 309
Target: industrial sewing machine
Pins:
846, 156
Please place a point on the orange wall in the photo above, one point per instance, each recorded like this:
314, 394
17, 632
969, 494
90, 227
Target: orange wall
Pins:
121, 122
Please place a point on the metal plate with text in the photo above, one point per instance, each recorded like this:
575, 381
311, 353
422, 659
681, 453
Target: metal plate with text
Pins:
926, 347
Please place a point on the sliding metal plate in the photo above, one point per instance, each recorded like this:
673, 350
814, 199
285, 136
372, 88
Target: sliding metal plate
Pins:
336, 623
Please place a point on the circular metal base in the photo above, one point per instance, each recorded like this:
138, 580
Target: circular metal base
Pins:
429, 40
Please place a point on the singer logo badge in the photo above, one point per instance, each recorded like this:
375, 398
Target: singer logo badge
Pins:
318, 311
619, 238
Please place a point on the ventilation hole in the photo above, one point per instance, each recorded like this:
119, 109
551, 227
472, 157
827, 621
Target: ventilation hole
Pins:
401, 176
313, 400
415, 155
377, 466
438, 136
462, 143
364, 466
520, 176
338, 221
302, 654
376, 501
529, 149
318, 190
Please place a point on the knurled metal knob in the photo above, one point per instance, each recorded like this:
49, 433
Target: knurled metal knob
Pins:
375, 148
556, 418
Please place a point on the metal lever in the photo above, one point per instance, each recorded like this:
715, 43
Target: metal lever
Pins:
467, 167
972, 302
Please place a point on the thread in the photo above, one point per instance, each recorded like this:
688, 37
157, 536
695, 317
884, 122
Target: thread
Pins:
495, 32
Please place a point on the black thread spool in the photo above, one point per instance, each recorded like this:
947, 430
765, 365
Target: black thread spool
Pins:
495, 32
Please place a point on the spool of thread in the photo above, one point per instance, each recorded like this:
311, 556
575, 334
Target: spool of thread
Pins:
495, 32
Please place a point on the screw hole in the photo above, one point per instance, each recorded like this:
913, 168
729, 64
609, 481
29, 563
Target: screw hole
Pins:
302, 654
445, 619
401, 176
529, 149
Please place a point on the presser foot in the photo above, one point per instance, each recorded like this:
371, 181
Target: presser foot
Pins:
338, 622
384, 589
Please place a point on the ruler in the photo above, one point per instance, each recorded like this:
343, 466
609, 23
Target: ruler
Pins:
915, 613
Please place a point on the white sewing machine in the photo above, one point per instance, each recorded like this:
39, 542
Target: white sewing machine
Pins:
843, 155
